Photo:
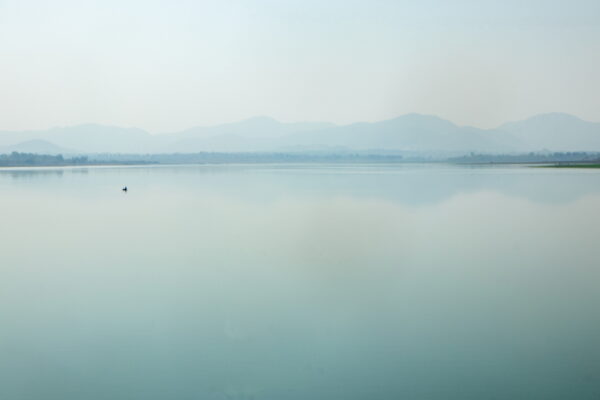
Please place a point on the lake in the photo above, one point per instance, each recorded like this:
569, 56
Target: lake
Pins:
299, 282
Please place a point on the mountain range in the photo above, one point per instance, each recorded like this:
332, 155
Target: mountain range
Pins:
415, 133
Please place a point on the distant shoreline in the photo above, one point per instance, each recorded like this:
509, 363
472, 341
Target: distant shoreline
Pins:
145, 164
546, 160
78, 165
573, 165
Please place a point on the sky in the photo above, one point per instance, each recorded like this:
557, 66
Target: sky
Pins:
164, 66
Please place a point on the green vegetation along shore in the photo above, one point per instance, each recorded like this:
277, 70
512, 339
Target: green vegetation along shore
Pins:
575, 165
44, 160
546, 160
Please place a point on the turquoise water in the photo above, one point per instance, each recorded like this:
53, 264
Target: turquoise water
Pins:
299, 282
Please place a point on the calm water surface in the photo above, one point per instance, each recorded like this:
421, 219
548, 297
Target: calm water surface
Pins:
299, 282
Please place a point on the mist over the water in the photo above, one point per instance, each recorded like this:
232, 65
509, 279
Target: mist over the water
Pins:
296, 282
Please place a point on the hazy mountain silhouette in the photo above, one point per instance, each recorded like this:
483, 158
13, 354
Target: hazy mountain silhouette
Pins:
411, 133
254, 134
556, 132
257, 127
88, 138
36, 146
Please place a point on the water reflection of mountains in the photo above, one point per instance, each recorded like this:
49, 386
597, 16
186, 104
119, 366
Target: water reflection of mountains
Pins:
31, 173
422, 185
39, 173
407, 184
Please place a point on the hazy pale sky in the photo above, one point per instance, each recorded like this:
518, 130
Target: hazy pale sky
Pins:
168, 65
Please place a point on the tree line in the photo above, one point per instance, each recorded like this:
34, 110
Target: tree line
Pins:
16, 159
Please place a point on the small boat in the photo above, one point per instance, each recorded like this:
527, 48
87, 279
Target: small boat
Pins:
124, 189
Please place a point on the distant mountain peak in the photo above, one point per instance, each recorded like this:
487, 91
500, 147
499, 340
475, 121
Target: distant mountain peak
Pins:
556, 132
38, 146
409, 132
421, 120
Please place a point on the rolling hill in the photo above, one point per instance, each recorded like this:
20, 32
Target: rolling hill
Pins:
409, 133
